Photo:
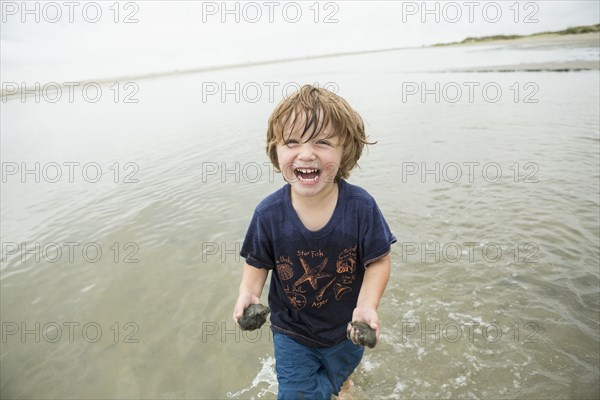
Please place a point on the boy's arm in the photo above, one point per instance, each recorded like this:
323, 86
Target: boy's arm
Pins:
374, 282
253, 281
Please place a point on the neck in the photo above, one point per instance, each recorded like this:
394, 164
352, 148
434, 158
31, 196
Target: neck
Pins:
314, 201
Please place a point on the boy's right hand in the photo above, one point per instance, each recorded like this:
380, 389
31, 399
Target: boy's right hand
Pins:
244, 301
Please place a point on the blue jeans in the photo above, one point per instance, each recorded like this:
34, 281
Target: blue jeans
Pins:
307, 373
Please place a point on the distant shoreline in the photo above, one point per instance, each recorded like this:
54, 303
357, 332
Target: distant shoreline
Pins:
578, 30
581, 36
539, 41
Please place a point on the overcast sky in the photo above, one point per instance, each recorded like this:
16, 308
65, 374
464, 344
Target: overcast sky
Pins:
91, 40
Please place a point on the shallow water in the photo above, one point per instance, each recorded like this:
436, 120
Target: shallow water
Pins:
494, 291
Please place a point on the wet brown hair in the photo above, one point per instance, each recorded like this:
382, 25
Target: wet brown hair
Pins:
318, 109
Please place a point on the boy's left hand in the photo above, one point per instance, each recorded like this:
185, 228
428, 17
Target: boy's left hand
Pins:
367, 315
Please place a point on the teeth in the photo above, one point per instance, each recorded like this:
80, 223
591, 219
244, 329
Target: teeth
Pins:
301, 171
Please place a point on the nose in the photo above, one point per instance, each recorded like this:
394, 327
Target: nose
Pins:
306, 152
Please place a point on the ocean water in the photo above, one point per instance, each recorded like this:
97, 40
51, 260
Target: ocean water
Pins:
121, 224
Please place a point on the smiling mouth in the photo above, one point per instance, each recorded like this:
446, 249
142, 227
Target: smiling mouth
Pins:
307, 175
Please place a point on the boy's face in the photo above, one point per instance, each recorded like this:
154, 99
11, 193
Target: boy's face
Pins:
309, 166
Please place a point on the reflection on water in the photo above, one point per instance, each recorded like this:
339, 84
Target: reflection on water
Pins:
493, 199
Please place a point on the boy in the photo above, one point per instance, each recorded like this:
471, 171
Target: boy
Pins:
325, 241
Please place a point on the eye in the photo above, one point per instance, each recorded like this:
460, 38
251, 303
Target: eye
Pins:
324, 142
290, 142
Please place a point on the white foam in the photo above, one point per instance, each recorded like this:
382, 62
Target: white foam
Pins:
465, 317
266, 375
460, 381
368, 365
85, 289
400, 387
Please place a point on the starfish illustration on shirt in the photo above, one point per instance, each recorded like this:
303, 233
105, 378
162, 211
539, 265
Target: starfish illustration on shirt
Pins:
312, 275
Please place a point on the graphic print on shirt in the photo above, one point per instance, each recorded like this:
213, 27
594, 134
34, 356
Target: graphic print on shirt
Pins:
346, 261
319, 302
312, 275
323, 289
295, 293
285, 268
297, 299
316, 276
345, 265
339, 290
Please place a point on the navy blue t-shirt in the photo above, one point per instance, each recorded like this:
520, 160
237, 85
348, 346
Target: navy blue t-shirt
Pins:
316, 275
